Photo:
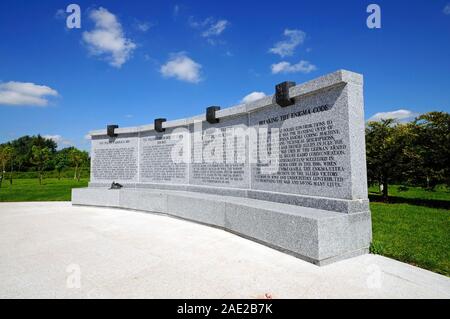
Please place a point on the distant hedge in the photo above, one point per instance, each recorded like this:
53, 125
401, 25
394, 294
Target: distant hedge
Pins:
66, 173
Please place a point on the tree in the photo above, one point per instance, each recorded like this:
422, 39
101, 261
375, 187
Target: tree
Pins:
78, 159
3, 162
40, 158
23, 147
12, 157
6, 156
85, 162
385, 149
61, 161
430, 151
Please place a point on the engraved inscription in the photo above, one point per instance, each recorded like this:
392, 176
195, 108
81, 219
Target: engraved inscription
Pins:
309, 155
156, 159
114, 161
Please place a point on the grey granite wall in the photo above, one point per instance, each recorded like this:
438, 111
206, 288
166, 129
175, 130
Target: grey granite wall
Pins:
293, 178
311, 151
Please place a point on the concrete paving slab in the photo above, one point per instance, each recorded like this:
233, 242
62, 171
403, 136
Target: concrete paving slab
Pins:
56, 250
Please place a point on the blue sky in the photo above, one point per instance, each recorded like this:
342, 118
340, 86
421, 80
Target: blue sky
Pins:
133, 61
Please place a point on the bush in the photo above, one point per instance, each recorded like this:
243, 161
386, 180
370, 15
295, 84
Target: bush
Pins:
65, 173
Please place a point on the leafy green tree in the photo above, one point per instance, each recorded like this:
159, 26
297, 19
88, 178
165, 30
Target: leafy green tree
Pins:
23, 146
430, 152
61, 161
84, 163
40, 158
23, 150
3, 162
6, 156
386, 142
13, 154
78, 159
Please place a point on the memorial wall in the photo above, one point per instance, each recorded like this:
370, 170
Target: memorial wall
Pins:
288, 170
307, 148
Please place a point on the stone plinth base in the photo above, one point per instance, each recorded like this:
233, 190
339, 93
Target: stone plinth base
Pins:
315, 235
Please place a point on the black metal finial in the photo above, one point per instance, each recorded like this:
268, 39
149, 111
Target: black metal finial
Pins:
282, 93
158, 125
110, 130
211, 114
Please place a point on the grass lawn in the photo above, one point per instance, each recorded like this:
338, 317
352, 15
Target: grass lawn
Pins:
413, 234
414, 227
438, 198
439, 193
28, 190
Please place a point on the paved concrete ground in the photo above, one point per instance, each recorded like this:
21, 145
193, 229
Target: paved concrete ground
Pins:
54, 250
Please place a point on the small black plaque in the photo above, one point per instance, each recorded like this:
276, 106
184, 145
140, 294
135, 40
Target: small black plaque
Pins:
158, 125
282, 93
110, 130
211, 114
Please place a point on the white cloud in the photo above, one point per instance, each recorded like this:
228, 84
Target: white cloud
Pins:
181, 67
199, 24
286, 67
58, 139
21, 93
399, 115
216, 28
210, 26
144, 26
254, 96
447, 9
55, 138
287, 47
107, 39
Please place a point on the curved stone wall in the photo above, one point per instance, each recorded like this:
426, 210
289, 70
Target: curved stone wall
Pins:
310, 153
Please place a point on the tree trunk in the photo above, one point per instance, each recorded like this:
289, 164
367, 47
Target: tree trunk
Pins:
385, 188
76, 170
59, 175
40, 177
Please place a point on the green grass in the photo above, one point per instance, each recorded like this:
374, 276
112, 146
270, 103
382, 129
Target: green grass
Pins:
439, 193
419, 235
28, 190
413, 227
438, 198
413, 234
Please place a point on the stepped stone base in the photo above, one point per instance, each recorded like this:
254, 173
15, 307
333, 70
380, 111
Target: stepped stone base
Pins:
315, 235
